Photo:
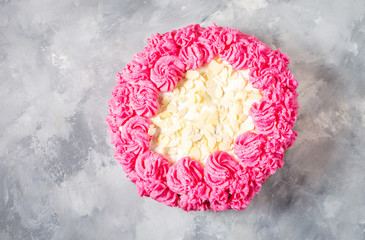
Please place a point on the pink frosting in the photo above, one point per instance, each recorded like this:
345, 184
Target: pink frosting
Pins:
135, 136
126, 159
133, 177
268, 69
152, 166
171, 37
219, 200
167, 72
277, 61
184, 175
241, 180
134, 72
264, 117
223, 183
144, 99
256, 175
154, 40
257, 54
249, 147
114, 122
187, 35
262, 78
189, 202
270, 163
225, 38
160, 192
211, 37
157, 190
167, 47
288, 80
274, 146
219, 170
196, 199
289, 108
197, 54
120, 105
151, 169
274, 94
235, 54
239, 201
148, 57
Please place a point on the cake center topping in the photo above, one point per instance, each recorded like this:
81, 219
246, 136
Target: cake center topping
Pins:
206, 111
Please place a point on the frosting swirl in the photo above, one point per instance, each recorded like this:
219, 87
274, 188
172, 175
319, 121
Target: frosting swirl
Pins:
196, 199
249, 147
256, 174
144, 99
225, 38
154, 40
167, 47
270, 163
237, 55
239, 201
134, 72
148, 57
263, 116
184, 175
241, 180
219, 200
277, 61
134, 134
126, 159
166, 72
257, 52
288, 80
211, 35
262, 78
152, 166
120, 104
160, 192
219, 170
197, 54
187, 35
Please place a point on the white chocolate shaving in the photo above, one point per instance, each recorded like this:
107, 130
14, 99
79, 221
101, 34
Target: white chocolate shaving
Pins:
206, 111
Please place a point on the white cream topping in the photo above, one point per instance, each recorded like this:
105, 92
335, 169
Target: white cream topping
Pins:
206, 111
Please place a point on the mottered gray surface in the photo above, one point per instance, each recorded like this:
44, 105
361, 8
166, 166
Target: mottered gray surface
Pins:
58, 178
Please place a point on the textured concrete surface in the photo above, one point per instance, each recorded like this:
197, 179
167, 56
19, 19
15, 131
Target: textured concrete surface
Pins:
58, 179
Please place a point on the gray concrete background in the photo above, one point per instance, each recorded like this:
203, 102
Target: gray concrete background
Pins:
58, 178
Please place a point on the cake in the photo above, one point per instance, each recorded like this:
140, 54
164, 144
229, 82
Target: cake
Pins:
202, 117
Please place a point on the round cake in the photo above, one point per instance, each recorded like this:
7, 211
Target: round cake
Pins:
202, 117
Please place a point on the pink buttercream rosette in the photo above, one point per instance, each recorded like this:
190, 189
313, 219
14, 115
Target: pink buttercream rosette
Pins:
223, 183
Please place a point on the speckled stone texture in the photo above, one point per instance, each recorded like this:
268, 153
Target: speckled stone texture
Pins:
58, 177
